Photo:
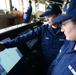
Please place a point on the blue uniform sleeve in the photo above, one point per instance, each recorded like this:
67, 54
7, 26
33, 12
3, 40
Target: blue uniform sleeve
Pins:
36, 33
29, 10
50, 69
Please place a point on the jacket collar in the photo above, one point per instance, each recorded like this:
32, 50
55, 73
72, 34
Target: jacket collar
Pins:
71, 47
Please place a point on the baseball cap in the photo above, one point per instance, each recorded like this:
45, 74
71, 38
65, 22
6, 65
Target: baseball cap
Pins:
50, 9
69, 11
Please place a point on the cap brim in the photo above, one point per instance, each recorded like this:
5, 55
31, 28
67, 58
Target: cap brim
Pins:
46, 14
60, 18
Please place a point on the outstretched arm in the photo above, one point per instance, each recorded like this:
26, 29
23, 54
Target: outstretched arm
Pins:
2, 47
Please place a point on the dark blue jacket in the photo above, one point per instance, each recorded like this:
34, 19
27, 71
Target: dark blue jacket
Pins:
51, 42
65, 63
27, 15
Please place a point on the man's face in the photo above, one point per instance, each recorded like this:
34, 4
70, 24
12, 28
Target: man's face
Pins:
69, 29
49, 18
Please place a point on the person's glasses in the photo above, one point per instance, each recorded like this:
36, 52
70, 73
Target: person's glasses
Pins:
63, 24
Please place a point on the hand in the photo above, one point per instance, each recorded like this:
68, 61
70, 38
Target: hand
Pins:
2, 47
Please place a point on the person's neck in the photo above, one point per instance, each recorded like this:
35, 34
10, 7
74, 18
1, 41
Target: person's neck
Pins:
54, 26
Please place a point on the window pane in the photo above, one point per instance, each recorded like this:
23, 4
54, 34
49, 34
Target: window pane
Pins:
25, 4
15, 3
7, 5
3, 4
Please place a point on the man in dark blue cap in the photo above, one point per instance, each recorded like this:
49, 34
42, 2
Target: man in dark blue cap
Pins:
65, 63
27, 13
51, 37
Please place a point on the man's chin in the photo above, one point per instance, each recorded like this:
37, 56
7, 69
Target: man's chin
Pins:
69, 39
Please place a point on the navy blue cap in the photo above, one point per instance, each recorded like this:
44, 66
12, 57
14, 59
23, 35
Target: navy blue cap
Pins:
51, 9
69, 11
